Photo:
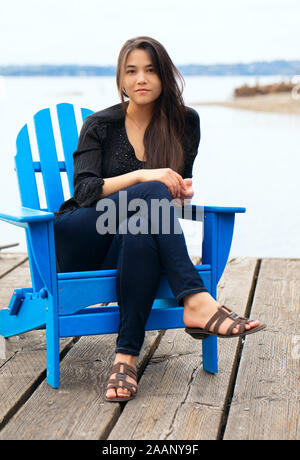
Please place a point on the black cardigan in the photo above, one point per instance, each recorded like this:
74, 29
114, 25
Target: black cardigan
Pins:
104, 151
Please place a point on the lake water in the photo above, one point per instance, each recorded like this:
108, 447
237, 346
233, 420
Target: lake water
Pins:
245, 158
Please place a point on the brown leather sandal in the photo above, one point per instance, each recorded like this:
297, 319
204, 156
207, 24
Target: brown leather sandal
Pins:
121, 377
220, 316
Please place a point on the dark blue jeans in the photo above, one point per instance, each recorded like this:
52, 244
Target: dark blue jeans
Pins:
139, 258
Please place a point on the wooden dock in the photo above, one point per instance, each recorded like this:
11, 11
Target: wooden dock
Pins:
255, 395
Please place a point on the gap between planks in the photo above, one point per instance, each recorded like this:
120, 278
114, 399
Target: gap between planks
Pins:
238, 355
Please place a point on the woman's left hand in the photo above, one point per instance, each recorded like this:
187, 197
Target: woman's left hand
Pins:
186, 194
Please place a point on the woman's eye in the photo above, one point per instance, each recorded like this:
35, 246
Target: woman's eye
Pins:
133, 71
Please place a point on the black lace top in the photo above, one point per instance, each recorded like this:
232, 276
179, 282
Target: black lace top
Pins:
104, 151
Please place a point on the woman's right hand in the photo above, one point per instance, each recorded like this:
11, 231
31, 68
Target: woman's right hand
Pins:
167, 176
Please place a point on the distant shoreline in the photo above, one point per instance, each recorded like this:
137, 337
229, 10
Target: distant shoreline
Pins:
272, 103
258, 69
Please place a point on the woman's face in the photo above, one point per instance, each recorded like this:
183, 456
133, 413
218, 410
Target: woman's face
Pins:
141, 81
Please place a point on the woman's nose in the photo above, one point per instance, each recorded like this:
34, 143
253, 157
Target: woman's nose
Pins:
141, 77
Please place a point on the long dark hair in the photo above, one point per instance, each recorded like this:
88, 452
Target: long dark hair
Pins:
164, 134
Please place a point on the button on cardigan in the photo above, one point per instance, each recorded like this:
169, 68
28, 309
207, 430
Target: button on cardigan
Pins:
104, 151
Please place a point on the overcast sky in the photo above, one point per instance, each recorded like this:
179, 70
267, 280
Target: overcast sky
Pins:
193, 31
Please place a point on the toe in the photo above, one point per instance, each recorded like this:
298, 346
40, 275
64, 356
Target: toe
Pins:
111, 393
253, 323
123, 393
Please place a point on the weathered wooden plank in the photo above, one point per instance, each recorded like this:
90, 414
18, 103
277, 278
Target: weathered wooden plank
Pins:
25, 362
77, 410
15, 274
9, 261
266, 402
18, 378
176, 398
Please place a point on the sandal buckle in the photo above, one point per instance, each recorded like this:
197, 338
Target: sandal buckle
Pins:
233, 316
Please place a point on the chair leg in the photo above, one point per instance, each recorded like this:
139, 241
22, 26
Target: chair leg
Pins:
52, 339
210, 354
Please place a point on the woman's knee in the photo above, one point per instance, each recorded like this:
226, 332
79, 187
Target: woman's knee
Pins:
155, 189
158, 188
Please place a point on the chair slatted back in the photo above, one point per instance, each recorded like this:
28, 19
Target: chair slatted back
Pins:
48, 159
25, 171
69, 137
48, 164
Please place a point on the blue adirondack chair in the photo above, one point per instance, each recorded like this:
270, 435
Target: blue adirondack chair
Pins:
58, 301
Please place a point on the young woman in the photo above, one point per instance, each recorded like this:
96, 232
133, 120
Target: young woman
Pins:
146, 147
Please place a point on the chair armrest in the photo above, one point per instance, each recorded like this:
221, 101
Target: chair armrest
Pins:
21, 216
39, 227
224, 209
196, 212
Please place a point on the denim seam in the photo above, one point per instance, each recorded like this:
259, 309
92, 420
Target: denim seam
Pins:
126, 349
120, 277
199, 289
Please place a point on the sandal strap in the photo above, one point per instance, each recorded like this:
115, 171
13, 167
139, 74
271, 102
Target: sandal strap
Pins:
220, 321
240, 322
115, 383
220, 316
129, 370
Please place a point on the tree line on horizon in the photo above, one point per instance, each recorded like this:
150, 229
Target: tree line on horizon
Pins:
278, 67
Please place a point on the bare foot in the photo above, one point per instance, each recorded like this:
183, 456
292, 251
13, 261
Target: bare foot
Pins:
122, 393
200, 307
